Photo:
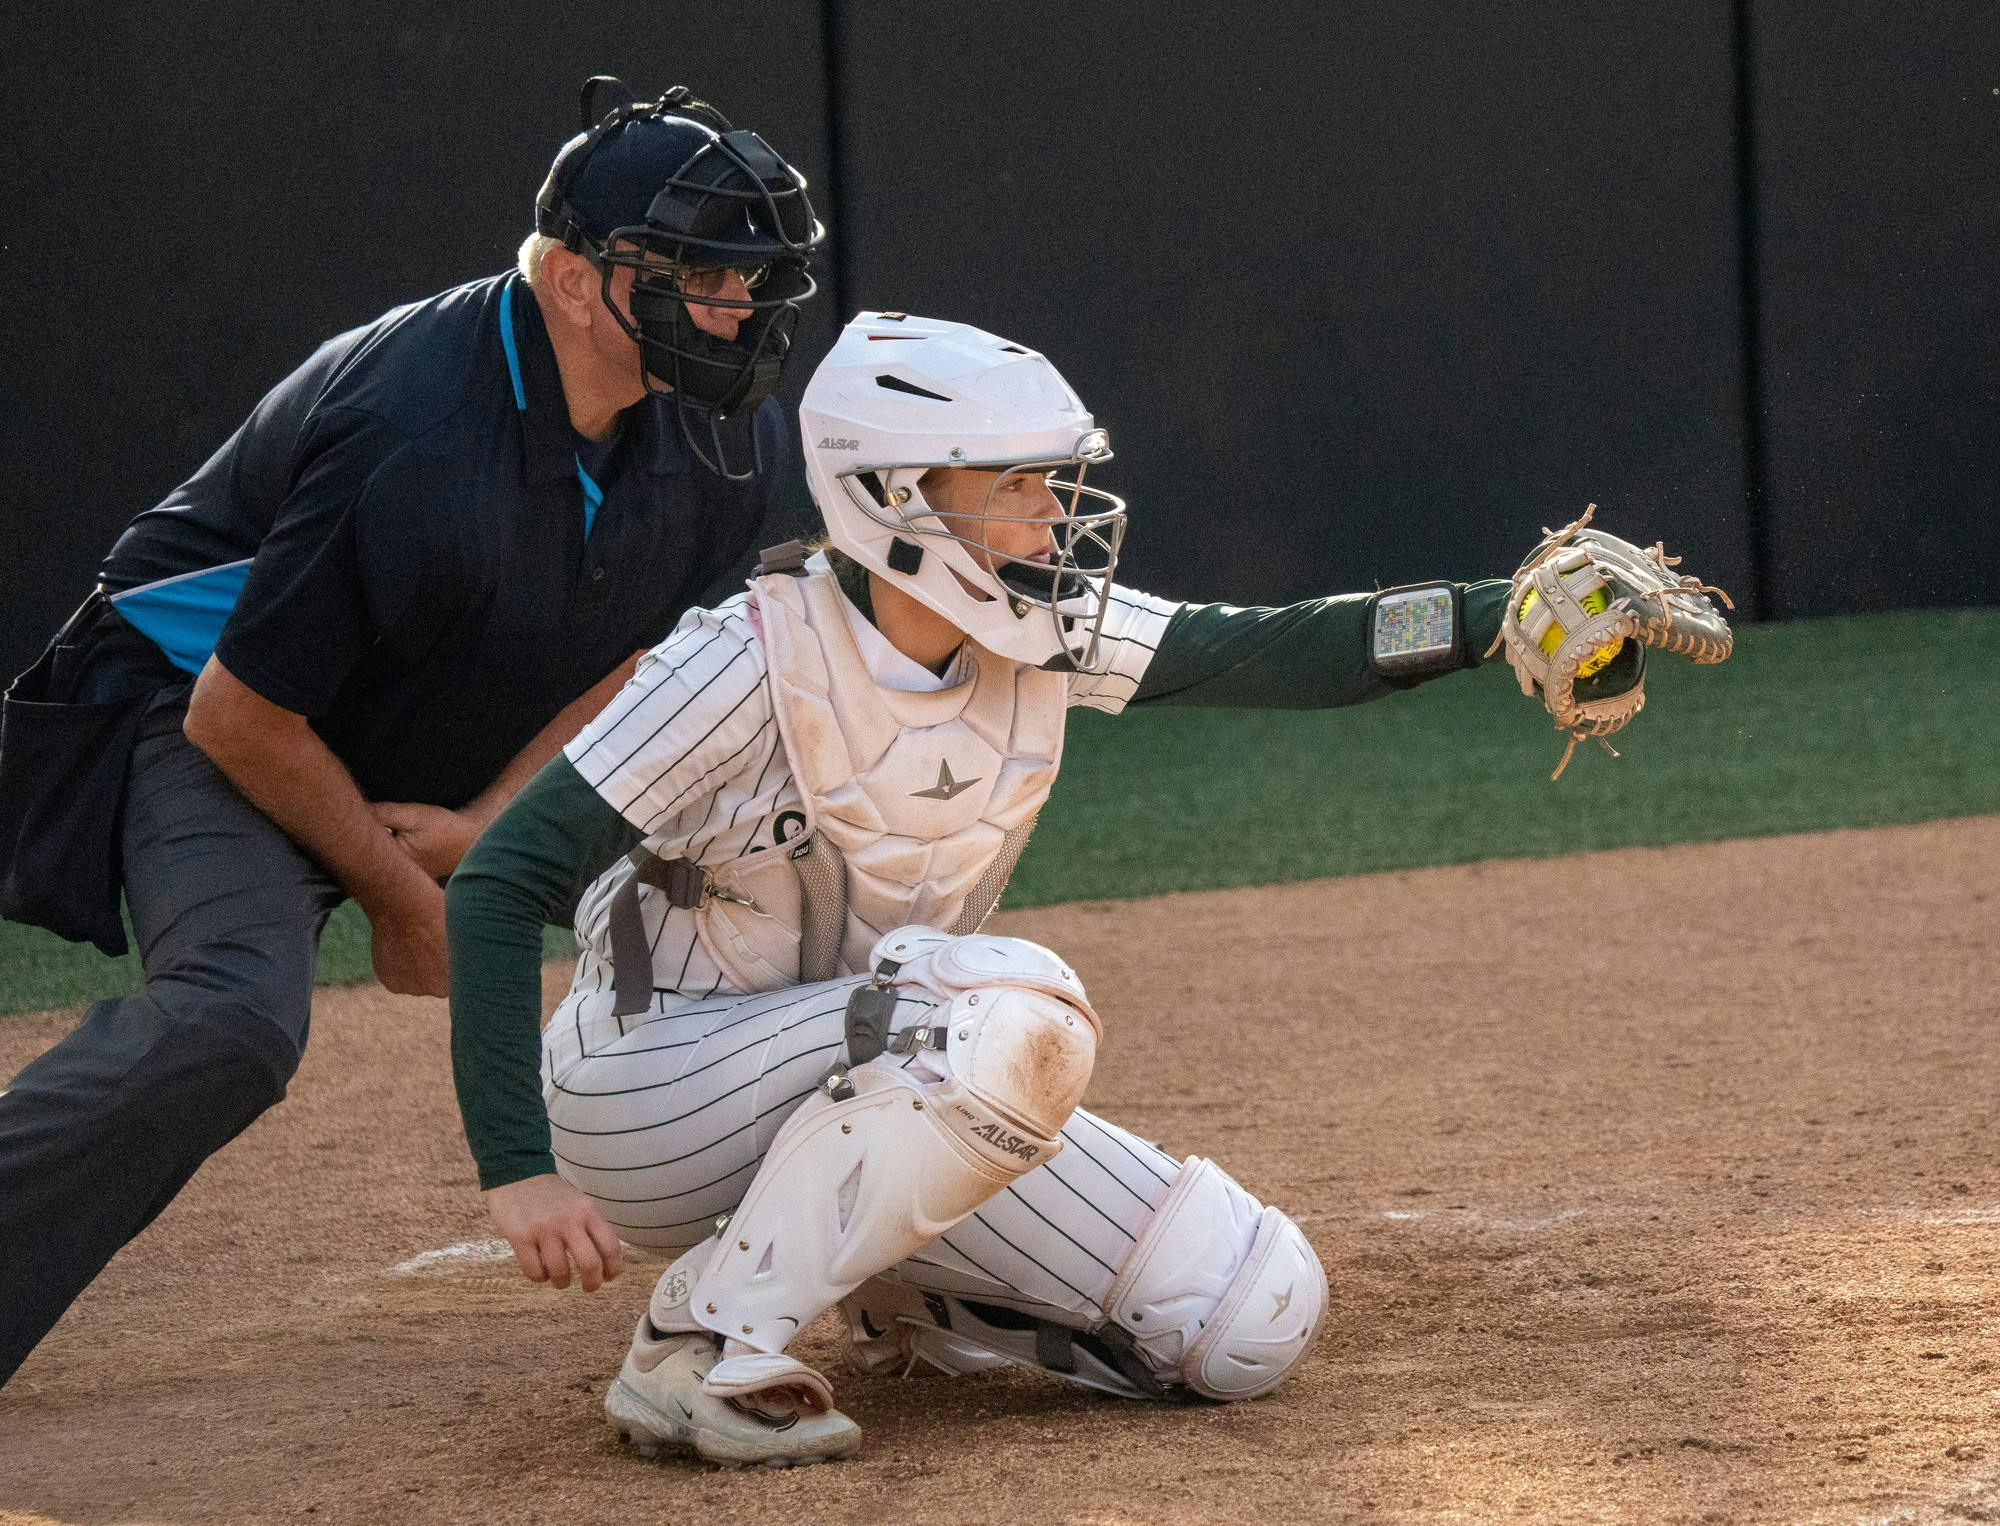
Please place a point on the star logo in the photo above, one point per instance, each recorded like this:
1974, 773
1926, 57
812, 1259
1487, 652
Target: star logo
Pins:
1283, 1301
947, 788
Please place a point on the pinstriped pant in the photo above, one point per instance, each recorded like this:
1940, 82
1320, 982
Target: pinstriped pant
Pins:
663, 1118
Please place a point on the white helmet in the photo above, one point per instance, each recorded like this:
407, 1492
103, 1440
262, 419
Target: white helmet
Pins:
899, 395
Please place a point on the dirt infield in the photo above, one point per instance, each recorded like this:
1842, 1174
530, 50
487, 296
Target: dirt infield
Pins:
1684, 1217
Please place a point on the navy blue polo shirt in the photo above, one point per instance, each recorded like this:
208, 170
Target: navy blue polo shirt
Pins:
405, 544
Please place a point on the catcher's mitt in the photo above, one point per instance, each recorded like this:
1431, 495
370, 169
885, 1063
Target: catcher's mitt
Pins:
1593, 604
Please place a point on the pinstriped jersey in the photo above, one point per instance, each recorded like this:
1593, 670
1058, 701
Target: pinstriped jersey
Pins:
689, 753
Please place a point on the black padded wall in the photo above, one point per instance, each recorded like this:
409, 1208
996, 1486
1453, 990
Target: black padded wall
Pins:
1878, 148
198, 196
1363, 292
1366, 293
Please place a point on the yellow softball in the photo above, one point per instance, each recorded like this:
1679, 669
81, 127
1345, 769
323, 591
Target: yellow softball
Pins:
1593, 604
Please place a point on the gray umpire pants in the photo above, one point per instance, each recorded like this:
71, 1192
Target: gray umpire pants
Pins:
100, 1132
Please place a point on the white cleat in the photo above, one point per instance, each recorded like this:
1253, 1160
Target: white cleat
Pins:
676, 1393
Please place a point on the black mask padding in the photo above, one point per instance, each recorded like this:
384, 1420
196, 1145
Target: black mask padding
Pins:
709, 202
786, 279
787, 216
1039, 582
722, 375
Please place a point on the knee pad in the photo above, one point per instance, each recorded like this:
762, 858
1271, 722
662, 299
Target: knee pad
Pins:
1020, 1033
1219, 1292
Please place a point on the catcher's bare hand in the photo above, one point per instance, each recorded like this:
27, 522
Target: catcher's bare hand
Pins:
552, 1226
435, 837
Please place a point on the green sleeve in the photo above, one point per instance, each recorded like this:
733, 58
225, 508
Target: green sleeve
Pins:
527, 869
1309, 656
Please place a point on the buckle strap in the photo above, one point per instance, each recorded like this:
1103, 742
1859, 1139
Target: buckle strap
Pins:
1055, 1347
1123, 1349
870, 1008
1055, 1350
788, 557
686, 885
631, 954
923, 1036
685, 882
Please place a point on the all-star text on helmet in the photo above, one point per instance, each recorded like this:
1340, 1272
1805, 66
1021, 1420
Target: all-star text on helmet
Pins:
669, 189
898, 396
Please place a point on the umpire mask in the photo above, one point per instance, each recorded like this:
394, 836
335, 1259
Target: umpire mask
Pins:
706, 216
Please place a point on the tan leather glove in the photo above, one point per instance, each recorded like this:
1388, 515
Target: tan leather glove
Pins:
1594, 603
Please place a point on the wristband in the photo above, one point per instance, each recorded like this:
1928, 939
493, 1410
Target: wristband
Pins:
1417, 630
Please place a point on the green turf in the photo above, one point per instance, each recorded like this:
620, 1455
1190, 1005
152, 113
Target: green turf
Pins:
1853, 722
1817, 724
39, 971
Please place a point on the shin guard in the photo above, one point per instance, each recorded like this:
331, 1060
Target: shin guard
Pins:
851, 1187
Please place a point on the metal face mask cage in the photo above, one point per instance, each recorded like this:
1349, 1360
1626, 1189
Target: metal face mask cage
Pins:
733, 180
1072, 589
729, 184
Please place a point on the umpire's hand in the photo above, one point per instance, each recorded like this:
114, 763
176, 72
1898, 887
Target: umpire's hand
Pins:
435, 837
408, 938
552, 1225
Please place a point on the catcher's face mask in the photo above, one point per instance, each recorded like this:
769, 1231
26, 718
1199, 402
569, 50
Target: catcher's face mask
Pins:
951, 462
1046, 541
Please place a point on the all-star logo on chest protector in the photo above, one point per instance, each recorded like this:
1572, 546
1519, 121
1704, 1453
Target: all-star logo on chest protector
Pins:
947, 788
919, 791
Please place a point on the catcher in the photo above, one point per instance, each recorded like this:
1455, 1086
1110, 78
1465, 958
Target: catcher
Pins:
789, 1054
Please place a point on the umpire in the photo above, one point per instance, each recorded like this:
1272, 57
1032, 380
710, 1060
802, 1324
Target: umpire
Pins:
325, 661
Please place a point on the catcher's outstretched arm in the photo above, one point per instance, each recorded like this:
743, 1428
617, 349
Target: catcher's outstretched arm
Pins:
1307, 656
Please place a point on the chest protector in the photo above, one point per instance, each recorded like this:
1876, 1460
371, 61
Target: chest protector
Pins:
917, 803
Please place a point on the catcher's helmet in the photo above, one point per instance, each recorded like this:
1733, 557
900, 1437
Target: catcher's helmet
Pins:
671, 190
899, 395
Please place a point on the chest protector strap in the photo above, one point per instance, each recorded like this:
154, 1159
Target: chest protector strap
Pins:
685, 884
823, 877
